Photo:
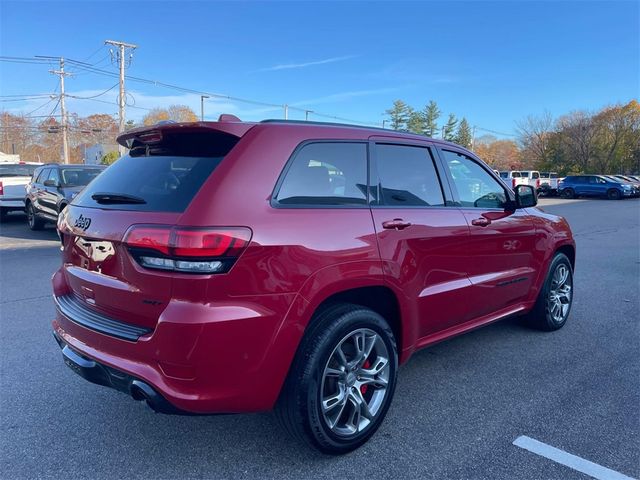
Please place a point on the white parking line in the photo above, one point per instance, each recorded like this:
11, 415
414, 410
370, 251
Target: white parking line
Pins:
567, 459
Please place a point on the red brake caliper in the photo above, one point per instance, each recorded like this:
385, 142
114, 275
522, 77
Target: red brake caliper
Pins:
364, 388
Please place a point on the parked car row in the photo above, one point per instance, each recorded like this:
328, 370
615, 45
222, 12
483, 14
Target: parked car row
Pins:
548, 183
42, 190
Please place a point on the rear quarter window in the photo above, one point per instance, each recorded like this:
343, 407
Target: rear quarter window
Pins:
325, 174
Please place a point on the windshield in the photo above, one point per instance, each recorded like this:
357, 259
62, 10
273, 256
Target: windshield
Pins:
17, 170
78, 177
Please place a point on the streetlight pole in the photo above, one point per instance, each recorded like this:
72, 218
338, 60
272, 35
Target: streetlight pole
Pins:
202, 97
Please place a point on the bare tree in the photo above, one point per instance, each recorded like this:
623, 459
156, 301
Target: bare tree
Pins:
535, 136
578, 138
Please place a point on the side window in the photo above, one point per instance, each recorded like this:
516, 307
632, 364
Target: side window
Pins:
54, 175
475, 186
407, 176
535, 175
326, 173
43, 175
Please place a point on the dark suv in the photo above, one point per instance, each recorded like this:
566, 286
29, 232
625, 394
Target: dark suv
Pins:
51, 189
574, 186
227, 267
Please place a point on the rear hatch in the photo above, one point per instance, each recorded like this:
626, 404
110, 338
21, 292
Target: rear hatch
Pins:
130, 210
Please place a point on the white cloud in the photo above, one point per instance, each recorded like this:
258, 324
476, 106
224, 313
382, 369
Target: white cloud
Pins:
289, 66
340, 97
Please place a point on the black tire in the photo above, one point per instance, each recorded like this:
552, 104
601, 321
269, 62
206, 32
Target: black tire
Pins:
4, 215
299, 408
568, 193
614, 194
542, 315
35, 223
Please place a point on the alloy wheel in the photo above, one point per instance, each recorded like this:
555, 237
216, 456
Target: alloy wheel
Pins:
560, 293
355, 382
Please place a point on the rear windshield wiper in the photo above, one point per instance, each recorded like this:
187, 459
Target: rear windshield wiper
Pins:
116, 198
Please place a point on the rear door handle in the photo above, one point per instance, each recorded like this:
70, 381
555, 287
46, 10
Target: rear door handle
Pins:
480, 222
396, 224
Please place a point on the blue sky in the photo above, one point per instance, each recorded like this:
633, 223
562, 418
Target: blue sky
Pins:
492, 62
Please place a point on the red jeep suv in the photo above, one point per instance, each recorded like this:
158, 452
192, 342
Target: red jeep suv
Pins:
228, 266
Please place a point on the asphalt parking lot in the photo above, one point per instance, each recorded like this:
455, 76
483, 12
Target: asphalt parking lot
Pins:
458, 408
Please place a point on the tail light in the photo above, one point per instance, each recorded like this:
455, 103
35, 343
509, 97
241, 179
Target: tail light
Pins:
1, 189
513, 183
538, 183
186, 249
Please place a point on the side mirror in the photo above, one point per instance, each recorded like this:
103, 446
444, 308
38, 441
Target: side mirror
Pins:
526, 196
51, 183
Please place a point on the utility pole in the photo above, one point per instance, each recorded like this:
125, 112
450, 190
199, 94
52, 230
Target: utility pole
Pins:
63, 111
286, 112
202, 97
306, 115
122, 46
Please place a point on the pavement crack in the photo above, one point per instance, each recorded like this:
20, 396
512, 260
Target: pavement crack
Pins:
25, 299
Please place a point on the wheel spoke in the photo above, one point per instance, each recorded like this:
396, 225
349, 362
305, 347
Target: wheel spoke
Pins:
333, 372
353, 421
376, 382
342, 360
359, 340
359, 400
335, 400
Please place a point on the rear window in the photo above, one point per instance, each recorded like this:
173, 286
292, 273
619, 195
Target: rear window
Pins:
553, 175
544, 174
17, 170
523, 174
516, 174
78, 177
504, 174
160, 177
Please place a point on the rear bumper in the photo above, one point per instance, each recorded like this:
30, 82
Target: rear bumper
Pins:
13, 203
227, 357
100, 374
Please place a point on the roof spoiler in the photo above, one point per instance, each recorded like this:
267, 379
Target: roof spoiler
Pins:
151, 134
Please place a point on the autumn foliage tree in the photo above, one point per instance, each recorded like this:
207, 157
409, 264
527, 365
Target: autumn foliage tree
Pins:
176, 113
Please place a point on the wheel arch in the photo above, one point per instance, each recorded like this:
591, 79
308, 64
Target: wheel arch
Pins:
570, 252
379, 298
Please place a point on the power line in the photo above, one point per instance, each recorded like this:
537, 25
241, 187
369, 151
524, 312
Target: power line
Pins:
94, 96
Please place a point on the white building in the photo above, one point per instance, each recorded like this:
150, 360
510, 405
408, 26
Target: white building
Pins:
9, 158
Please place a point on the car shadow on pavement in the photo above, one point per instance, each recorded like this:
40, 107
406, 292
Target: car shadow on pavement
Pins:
15, 227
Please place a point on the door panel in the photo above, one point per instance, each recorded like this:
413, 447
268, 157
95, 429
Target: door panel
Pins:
426, 261
500, 259
421, 241
501, 240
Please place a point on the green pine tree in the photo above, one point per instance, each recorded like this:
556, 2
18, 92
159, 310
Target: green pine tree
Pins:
449, 129
463, 135
416, 122
430, 116
399, 115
